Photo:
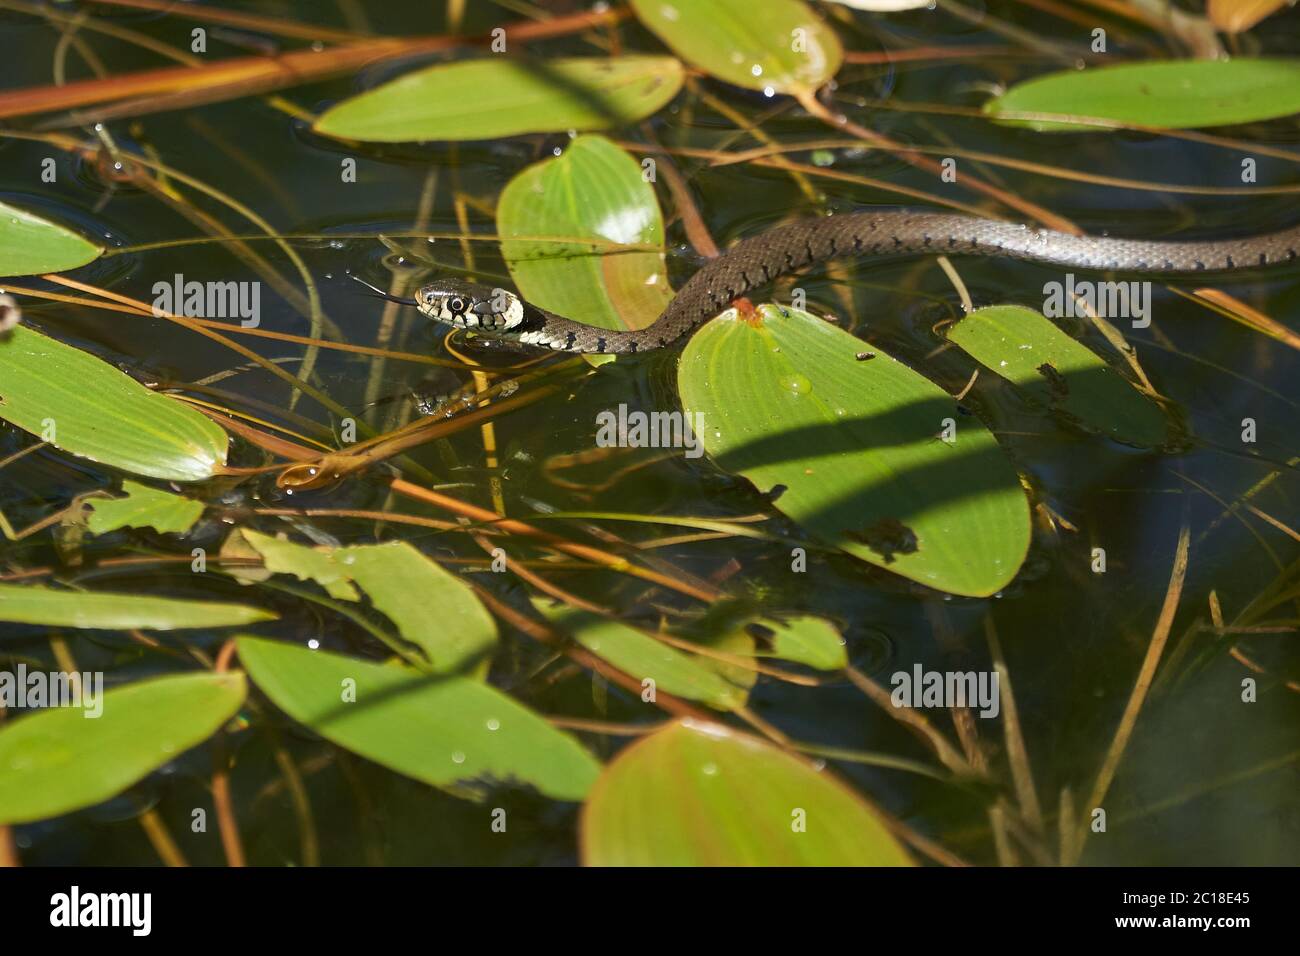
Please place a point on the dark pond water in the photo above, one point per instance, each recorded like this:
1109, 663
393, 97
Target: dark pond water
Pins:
1207, 778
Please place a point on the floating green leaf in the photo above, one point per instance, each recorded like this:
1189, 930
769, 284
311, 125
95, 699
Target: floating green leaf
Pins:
595, 192
432, 608
143, 507
642, 656
807, 640
1028, 350
86, 407
1178, 94
779, 45
61, 759
858, 448
30, 245
507, 96
441, 730
306, 564
705, 795
31, 604
403, 584
735, 667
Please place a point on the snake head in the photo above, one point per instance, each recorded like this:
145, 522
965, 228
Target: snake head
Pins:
466, 305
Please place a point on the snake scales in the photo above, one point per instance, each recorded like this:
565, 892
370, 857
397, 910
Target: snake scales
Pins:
759, 260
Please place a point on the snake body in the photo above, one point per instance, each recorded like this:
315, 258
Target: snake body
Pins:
757, 261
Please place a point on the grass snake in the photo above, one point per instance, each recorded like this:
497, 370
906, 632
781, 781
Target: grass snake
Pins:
757, 261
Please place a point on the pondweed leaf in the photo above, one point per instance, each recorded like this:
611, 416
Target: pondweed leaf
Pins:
813, 641
34, 604
62, 759
86, 407
698, 794
595, 191
30, 245
403, 584
507, 96
639, 654
143, 507
442, 730
866, 454
432, 608
1176, 94
1029, 351
776, 45
280, 556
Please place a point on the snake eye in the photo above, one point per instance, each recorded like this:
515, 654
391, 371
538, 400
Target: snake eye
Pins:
456, 304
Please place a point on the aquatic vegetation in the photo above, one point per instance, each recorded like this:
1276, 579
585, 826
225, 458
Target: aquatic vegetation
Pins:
313, 560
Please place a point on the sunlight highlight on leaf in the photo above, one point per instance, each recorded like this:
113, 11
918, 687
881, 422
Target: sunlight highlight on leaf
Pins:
593, 191
596, 191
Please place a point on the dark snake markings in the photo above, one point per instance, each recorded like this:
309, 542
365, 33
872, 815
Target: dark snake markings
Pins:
773, 254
